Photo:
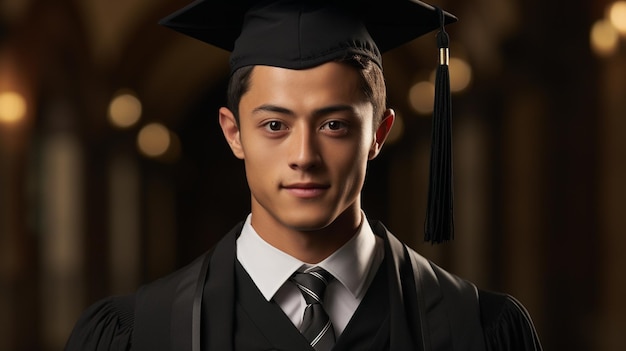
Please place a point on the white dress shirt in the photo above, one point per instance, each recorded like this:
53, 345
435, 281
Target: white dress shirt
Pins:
353, 266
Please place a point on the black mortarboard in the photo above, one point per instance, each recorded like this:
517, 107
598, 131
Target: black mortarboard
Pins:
299, 34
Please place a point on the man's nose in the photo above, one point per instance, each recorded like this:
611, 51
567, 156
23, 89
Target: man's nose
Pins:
304, 149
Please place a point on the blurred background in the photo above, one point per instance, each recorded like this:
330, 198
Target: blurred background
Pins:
113, 170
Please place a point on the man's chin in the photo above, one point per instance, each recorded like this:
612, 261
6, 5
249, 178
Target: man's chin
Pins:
308, 223
309, 227
316, 219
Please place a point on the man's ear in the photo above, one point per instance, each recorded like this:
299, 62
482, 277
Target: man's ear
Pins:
230, 128
382, 131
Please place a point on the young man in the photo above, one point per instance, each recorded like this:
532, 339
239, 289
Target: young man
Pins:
306, 270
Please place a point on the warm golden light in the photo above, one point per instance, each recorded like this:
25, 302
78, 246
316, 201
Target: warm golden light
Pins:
460, 75
12, 107
124, 110
153, 140
617, 16
604, 38
422, 96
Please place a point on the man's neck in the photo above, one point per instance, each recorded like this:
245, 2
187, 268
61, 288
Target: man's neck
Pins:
310, 246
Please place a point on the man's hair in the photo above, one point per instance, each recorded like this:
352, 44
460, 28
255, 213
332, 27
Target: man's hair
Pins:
371, 77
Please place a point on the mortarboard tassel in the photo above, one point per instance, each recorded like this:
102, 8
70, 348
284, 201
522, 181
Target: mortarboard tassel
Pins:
439, 224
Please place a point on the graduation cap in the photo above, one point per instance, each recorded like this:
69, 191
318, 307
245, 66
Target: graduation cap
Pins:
300, 34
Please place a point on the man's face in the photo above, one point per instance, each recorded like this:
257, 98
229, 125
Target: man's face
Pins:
305, 137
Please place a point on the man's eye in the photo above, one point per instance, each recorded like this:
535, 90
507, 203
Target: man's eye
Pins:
335, 125
274, 126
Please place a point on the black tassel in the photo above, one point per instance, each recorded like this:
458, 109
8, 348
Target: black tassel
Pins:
439, 224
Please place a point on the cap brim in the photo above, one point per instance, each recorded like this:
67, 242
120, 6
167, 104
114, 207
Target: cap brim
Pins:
202, 20
390, 23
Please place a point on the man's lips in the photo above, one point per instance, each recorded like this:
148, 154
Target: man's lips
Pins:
306, 190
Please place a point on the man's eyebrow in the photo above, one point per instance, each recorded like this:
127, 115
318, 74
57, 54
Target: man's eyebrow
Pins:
273, 108
334, 109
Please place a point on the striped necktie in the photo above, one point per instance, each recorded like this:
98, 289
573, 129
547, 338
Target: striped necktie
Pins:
316, 326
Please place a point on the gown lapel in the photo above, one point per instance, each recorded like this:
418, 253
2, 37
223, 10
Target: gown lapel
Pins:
440, 310
217, 319
190, 322
401, 330
419, 320
163, 311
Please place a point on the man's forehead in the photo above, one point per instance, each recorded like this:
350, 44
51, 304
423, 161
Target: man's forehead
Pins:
332, 81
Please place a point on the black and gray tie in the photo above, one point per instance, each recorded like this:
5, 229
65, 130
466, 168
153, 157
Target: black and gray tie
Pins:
316, 326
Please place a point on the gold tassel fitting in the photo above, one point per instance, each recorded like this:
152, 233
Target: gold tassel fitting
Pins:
444, 56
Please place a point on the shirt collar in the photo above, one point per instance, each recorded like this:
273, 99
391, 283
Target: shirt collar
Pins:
269, 267
351, 263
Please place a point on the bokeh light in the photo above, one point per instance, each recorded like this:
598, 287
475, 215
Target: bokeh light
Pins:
153, 140
124, 109
422, 97
12, 107
617, 16
460, 75
604, 38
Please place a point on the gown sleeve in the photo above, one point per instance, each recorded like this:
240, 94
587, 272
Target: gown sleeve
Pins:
506, 324
107, 325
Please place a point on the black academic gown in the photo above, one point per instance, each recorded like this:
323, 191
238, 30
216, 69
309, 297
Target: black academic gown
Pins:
213, 305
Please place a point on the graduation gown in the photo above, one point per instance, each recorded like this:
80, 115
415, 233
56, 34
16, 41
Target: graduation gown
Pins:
212, 304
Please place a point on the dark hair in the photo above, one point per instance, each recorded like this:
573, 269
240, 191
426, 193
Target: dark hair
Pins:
372, 85
238, 85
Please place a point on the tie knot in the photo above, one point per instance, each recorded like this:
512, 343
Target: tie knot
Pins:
312, 284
